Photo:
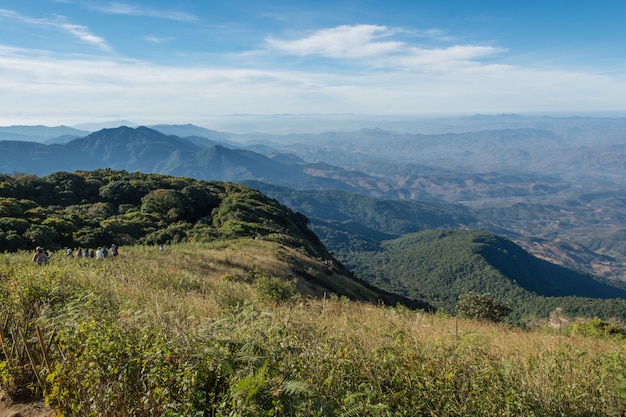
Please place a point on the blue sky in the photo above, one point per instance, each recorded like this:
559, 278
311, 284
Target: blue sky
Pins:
75, 61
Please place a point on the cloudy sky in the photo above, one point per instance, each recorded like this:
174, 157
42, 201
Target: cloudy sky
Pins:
157, 61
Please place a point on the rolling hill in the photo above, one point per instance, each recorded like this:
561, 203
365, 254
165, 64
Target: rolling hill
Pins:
442, 265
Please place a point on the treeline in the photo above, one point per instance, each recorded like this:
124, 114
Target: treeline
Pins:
95, 208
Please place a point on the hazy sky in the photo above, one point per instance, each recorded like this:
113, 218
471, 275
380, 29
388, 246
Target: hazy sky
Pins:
157, 61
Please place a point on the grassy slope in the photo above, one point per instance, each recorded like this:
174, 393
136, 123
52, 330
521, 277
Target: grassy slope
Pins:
194, 328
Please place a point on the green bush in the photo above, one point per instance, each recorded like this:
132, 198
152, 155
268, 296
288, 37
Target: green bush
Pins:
482, 307
597, 328
274, 289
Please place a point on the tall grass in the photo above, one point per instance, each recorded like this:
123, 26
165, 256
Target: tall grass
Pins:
210, 330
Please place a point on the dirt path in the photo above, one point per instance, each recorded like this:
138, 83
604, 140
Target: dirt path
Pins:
8, 408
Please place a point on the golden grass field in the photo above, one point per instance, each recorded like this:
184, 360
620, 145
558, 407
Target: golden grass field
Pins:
221, 329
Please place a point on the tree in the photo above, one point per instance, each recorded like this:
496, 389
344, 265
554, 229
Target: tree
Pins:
121, 192
39, 235
171, 204
63, 229
202, 200
482, 307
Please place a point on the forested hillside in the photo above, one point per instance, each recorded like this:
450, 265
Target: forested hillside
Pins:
95, 208
442, 265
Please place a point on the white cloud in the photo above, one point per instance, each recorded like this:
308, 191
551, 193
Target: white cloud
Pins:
341, 42
445, 59
158, 39
41, 87
132, 10
362, 44
84, 34
80, 32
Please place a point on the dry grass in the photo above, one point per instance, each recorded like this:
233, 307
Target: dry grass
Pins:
349, 358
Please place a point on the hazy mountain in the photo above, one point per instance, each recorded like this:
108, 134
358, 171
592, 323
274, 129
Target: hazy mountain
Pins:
132, 149
206, 143
219, 162
348, 221
145, 150
95, 126
319, 123
38, 133
512, 149
192, 130
61, 139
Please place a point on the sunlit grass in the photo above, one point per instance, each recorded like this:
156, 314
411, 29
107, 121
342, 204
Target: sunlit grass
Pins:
187, 329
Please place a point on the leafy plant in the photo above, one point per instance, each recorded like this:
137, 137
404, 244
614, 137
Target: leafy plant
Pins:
274, 288
482, 307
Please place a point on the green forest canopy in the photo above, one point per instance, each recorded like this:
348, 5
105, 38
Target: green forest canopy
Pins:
89, 209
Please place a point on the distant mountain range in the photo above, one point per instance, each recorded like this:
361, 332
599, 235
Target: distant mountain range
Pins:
41, 134
148, 150
558, 191
145, 150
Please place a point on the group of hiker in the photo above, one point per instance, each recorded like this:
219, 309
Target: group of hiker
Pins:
42, 256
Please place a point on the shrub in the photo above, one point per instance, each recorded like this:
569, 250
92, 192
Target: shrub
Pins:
274, 289
482, 307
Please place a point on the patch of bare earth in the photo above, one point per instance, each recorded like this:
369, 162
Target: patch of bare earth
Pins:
9, 408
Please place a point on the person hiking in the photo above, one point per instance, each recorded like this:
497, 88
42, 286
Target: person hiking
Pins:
41, 256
